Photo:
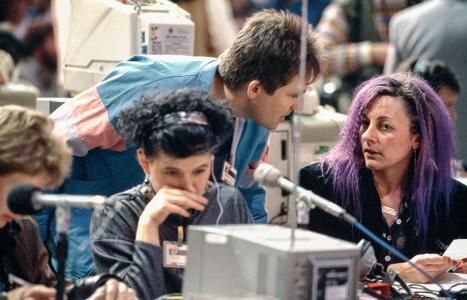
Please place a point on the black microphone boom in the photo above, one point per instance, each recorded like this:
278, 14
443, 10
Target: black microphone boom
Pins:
29, 199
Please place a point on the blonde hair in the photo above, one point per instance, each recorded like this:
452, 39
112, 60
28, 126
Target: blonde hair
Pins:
29, 144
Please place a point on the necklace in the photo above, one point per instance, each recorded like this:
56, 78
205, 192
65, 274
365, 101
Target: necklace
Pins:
388, 210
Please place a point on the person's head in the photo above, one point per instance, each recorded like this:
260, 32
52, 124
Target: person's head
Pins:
13, 10
39, 42
10, 44
175, 135
11, 51
440, 77
396, 121
31, 152
263, 63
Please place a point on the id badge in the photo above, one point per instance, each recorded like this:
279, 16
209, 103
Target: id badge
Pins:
174, 254
229, 173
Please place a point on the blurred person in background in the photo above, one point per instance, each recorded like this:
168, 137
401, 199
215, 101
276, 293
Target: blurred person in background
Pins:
443, 80
354, 34
440, 77
244, 8
16, 16
12, 14
315, 8
40, 64
215, 27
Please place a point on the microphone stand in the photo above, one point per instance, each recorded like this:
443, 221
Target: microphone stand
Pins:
62, 215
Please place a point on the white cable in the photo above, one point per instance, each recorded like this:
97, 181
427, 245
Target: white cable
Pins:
221, 208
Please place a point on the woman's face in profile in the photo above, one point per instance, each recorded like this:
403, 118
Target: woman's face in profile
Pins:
387, 142
190, 173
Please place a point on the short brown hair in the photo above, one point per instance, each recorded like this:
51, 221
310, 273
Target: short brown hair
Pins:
268, 49
28, 144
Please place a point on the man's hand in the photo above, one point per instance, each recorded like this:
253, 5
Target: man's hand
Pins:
114, 289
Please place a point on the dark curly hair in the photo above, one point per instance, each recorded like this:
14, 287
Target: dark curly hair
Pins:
143, 124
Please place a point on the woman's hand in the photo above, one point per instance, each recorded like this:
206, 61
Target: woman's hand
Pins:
38, 292
433, 264
167, 201
114, 289
460, 265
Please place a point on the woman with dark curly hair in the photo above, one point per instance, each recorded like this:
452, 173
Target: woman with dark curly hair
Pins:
391, 168
142, 239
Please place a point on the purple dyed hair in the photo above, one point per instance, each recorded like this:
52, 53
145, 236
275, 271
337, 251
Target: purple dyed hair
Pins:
431, 176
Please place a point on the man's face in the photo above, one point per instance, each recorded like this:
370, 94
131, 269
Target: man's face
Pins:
269, 110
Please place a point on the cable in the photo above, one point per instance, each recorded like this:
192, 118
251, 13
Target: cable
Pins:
352, 221
374, 294
424, 289
283, 212
221, 208
457, 284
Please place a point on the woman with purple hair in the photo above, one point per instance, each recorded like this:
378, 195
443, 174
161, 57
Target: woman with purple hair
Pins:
391, 170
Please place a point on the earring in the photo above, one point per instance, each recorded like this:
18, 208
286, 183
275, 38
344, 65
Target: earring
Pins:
146, 189
414, 158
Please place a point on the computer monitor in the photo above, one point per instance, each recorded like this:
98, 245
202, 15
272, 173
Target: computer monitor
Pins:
261, 262
105, 32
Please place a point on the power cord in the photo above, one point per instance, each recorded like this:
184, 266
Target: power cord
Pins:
284, 210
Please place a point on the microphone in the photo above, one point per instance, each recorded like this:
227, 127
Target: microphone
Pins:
271, 176
28, 199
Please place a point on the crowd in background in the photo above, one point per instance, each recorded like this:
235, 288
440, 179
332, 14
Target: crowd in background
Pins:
354, 35
27, 34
